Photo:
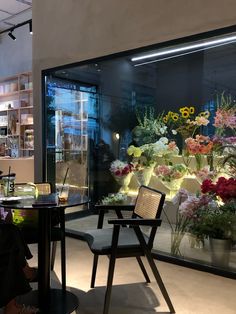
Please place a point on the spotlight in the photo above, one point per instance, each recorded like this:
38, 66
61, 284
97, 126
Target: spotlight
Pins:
11, 35
30, 28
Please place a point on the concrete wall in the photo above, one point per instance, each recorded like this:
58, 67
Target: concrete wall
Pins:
74, 30
16, 55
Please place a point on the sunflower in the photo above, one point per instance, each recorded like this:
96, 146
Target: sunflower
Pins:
185, 114
175, 116
183, 109
191, 110
165, 119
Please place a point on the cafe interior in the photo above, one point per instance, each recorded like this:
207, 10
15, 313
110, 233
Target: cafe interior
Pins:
118, 166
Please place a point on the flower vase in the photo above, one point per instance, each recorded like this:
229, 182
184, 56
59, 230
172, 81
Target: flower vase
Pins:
144, 175
124, 182
198, 159
176, 238
173, 186
220, 251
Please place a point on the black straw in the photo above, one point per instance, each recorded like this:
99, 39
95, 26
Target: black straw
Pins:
9, 172
64, 181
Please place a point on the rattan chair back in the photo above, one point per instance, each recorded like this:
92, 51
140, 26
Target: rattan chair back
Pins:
148, 203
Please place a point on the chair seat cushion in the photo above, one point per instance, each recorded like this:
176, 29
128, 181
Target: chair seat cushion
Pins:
99, 241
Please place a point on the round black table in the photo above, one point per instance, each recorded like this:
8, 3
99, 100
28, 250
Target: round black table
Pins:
50, 301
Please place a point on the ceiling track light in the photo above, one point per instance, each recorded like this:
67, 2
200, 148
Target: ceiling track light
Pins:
11, 35
30, 28
12, 28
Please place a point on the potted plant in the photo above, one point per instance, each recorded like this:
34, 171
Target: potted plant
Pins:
213, 215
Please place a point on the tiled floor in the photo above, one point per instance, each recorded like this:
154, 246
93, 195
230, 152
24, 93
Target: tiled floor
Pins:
191, 291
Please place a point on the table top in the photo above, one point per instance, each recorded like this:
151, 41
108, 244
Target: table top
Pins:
29, 203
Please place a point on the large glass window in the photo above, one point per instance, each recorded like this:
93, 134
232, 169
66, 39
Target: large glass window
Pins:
175, 91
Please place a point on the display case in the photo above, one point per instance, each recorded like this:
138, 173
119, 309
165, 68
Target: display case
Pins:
16, 115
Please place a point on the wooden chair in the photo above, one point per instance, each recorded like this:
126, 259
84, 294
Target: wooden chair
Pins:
122, 241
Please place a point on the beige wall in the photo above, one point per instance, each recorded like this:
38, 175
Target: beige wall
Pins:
73, 30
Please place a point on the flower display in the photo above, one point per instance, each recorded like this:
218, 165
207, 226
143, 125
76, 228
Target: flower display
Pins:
225, 117
149, 128
206, 216
171, 172
115, 198
120, 168
186, 122
198, 146
145, 155
204, 173
181, 224
224, 188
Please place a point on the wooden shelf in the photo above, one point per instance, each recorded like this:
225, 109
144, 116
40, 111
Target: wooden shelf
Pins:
30, 90
16, 93
13, 115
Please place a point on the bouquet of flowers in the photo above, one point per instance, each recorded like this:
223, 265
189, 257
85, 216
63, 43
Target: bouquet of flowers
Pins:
122, 173
119, 168
145, 155
205, 173
171, 172
223, 188
207, 216
185, 122
225, 118
115, 198
198, 146
149, 128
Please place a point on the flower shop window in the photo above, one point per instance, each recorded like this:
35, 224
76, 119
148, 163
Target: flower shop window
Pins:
167, 119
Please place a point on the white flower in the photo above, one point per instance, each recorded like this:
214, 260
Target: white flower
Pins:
164, 140
174, 132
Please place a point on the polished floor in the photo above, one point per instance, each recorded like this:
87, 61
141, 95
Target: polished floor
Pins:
191, 291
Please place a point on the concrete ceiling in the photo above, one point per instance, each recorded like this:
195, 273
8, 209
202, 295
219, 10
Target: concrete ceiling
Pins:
13, 12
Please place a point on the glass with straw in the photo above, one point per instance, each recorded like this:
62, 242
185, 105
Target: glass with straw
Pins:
63, 190
9, 183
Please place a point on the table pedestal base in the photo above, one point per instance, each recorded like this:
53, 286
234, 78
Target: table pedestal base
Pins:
61, 302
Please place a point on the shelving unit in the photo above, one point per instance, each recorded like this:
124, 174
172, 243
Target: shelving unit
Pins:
16, 116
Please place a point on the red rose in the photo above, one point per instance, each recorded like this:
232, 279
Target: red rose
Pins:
207, 186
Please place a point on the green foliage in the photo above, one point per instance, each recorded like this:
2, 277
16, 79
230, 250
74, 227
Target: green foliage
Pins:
215, 223
149, 128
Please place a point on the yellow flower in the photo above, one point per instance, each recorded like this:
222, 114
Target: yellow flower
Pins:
135, 151
185, 114
191, 110
169, 114
183, 109
165, 119
207, 114
175, 116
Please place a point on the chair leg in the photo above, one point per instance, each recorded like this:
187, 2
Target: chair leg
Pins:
109, 284
143, 269
54, 248
160, 282
95, 264
63, 264
115, 236
154, 269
